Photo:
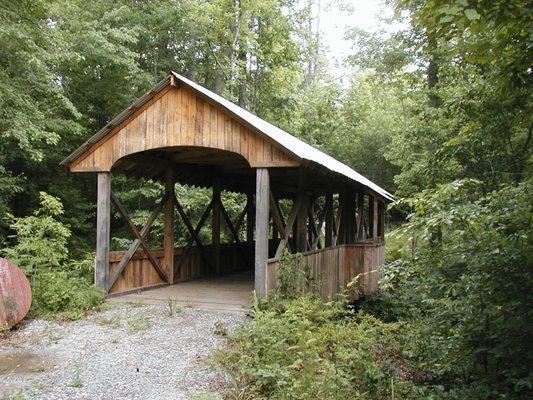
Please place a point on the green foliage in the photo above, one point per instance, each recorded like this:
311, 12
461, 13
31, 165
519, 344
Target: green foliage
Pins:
472, 117
452, 319
354, 124
308, 349
294, 278
493, 34
172, 307
59, 293
465, 290
41, 238
58, 285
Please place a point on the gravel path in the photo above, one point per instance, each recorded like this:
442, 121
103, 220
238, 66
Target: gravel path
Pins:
128, 352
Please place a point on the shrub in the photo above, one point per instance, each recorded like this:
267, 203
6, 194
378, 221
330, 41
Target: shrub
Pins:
294, 277
452, 319
308, 349
41, 240
59, 285
61, 293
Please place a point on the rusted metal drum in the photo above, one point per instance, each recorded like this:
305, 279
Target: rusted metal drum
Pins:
15, 294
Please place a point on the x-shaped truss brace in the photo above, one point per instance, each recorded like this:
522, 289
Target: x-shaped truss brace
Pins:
139, 240
194, 232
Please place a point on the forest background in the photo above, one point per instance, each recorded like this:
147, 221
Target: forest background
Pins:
438, 112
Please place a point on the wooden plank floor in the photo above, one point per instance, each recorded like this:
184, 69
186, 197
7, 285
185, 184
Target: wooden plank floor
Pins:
223, 293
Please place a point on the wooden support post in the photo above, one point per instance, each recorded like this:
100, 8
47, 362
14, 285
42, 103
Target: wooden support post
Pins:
261, 229
312, 230
301, 227
111, 279
168, 240
215, 229
250, 218
274, 230
347, 223
369, 219
301, 218
360, 216
351, 222
277, 219
103, 218
316, 244
241, 217
337, 226
234, 233
290, 224
194, 232
381, 226
342, 239
375, 218
329, 219
138, 236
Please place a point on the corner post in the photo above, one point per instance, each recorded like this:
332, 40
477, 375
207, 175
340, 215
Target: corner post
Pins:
381, 227
342, 238
261, 229
103, 226
168, 240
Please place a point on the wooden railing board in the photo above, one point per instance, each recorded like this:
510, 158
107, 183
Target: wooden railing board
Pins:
139, 272
332, 268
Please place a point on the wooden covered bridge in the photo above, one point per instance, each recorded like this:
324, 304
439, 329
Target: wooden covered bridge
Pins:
180, 132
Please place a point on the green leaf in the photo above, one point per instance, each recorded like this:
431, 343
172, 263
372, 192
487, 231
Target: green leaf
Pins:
471, 14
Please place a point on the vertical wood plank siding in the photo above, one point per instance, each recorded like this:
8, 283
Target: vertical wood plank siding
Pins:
331, 269
178, 117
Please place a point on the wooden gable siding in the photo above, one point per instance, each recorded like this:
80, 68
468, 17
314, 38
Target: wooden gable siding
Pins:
178, 117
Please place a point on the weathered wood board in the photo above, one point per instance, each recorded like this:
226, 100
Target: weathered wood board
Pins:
15, 294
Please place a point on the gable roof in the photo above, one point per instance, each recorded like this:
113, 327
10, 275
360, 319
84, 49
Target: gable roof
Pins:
277, 135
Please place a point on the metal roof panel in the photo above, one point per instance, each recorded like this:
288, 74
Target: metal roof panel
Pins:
286, 140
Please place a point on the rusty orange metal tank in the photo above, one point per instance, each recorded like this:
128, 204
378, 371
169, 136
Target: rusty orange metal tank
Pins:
15, 294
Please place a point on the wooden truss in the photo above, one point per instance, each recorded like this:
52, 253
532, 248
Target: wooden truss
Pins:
314, 221
215, 208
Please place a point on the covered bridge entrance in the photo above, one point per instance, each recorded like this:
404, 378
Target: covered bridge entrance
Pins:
180, 132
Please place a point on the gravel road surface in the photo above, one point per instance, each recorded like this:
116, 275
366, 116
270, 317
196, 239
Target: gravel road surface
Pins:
127, 352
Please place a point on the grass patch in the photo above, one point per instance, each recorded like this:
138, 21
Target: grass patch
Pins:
13, 395
111, 321
202, 396
76, 379
139, 323
220, 329
172, 307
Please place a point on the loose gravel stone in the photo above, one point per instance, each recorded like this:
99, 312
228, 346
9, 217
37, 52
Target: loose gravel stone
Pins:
129, 352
